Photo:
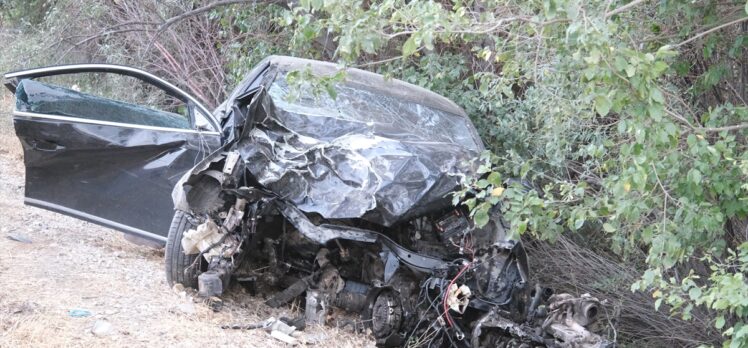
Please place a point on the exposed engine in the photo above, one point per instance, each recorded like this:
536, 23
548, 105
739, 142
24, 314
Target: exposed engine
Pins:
435, 280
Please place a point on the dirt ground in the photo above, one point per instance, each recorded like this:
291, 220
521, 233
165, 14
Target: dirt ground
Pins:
71, 264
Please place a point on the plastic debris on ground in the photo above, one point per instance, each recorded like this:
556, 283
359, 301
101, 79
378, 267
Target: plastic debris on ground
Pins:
18, 238
79, 313
101, 328
277, 328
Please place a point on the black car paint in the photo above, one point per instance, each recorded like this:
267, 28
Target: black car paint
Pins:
113, 174
118, 177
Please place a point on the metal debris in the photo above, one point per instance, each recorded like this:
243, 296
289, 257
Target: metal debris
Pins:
316, 308
278, 329
18, 238
279, 325
569, 319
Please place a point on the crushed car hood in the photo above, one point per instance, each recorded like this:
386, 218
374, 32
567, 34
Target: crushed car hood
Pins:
382, 150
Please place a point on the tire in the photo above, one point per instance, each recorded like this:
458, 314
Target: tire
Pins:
175, 259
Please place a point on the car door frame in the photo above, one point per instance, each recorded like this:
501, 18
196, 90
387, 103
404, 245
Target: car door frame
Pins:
12, 79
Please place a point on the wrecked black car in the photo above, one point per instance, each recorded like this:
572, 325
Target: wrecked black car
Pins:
339, 198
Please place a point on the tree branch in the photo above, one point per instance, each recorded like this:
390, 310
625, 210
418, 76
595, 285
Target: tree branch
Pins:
173, 20
706, 129
624, 8
169, 22
387, 60
679, 118
702, 34
722, 129
481, 31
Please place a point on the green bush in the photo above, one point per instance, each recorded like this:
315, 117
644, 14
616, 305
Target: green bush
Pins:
600, 105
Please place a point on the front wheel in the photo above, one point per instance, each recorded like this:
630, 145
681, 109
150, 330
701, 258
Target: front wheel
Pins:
176, 261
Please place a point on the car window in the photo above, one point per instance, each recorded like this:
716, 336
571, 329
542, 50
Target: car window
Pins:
104, 97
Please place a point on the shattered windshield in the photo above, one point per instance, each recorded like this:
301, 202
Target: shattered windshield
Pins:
360, 109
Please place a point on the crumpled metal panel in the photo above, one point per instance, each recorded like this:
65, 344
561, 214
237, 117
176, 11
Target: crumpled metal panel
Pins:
381, 150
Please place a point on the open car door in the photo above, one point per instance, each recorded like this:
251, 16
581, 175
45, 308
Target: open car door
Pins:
102, 159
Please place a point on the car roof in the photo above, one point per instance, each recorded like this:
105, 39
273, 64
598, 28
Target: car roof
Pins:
369, 80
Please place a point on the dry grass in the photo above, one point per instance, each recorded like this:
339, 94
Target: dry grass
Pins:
571, 267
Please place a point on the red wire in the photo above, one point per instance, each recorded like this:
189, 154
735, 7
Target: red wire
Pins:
446, 294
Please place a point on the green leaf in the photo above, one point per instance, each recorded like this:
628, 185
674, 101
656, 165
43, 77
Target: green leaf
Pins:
495, 179
721, 304
695, 293
578, 223
481, 215
656, 95
470, 203
695, 176
455, 199
687, 312
659, 67
714, 75
620, 63
656, 111
292, 76
648, 277
522, 226
608, 228
720, 322
630, 71
410, 46
330, 88
602, 105
594, 57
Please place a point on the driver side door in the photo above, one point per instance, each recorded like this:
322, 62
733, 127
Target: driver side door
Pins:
107, 159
